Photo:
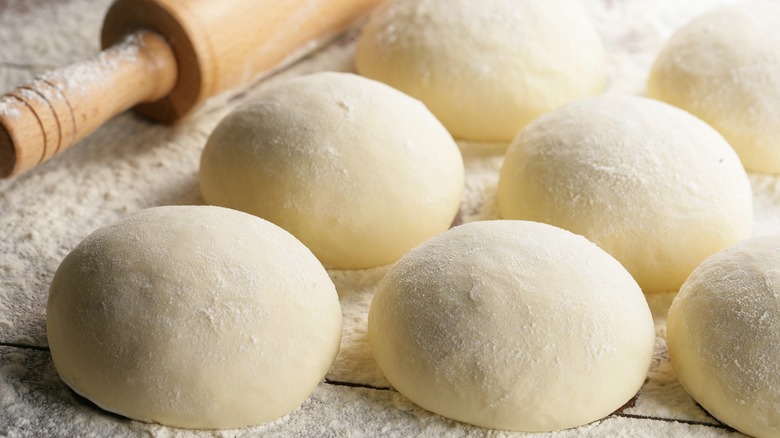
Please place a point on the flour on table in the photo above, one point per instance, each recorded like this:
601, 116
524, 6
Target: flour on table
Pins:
49, 33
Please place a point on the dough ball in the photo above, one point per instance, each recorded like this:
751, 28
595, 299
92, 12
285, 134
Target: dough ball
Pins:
723, 67
195, 317
652, 185
484, 68
512, 325
723, 333
356, 170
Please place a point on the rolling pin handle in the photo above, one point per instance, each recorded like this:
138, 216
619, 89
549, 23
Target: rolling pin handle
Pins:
56, 110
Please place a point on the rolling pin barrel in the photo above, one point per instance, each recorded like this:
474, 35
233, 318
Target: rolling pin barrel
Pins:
163, 57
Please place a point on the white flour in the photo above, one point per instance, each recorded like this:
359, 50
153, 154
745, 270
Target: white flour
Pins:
76, 79
131, 164
7, 108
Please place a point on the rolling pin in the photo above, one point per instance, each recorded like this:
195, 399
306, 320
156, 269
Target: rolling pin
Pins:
163, 57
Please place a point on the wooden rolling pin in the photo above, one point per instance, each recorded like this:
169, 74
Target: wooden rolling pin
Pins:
165, 57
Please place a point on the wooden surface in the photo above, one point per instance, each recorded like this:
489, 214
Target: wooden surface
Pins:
130, 164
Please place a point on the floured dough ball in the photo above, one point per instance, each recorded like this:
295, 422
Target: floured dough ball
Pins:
723, 67
484, 68
195, 317
652, 185
356, 170
723, 333
512, 325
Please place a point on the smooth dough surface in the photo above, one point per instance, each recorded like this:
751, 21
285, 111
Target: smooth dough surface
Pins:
356, 170
723, 67
484, 68
512, 325
652, 185
195, 317
723, 332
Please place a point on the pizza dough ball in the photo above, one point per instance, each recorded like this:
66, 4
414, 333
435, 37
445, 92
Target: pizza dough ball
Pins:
652, 185
723, 67
484, 68
356, 170
195, 317
723, 333
512, 325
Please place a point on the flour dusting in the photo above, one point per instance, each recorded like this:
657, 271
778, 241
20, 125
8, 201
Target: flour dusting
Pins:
8, 107
79, 77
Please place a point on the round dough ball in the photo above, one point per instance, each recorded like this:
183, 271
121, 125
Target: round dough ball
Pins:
723, 67
484, 68
356, 170
652, 185
723, 333
512, 325
195, 317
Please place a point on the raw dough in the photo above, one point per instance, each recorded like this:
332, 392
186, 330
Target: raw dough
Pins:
196, 317
512, 325
484, 68
723, 333
723, 67
652, 185
356, 170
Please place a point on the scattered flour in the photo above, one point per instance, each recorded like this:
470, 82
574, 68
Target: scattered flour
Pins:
76, 79
8, 107
48, 34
